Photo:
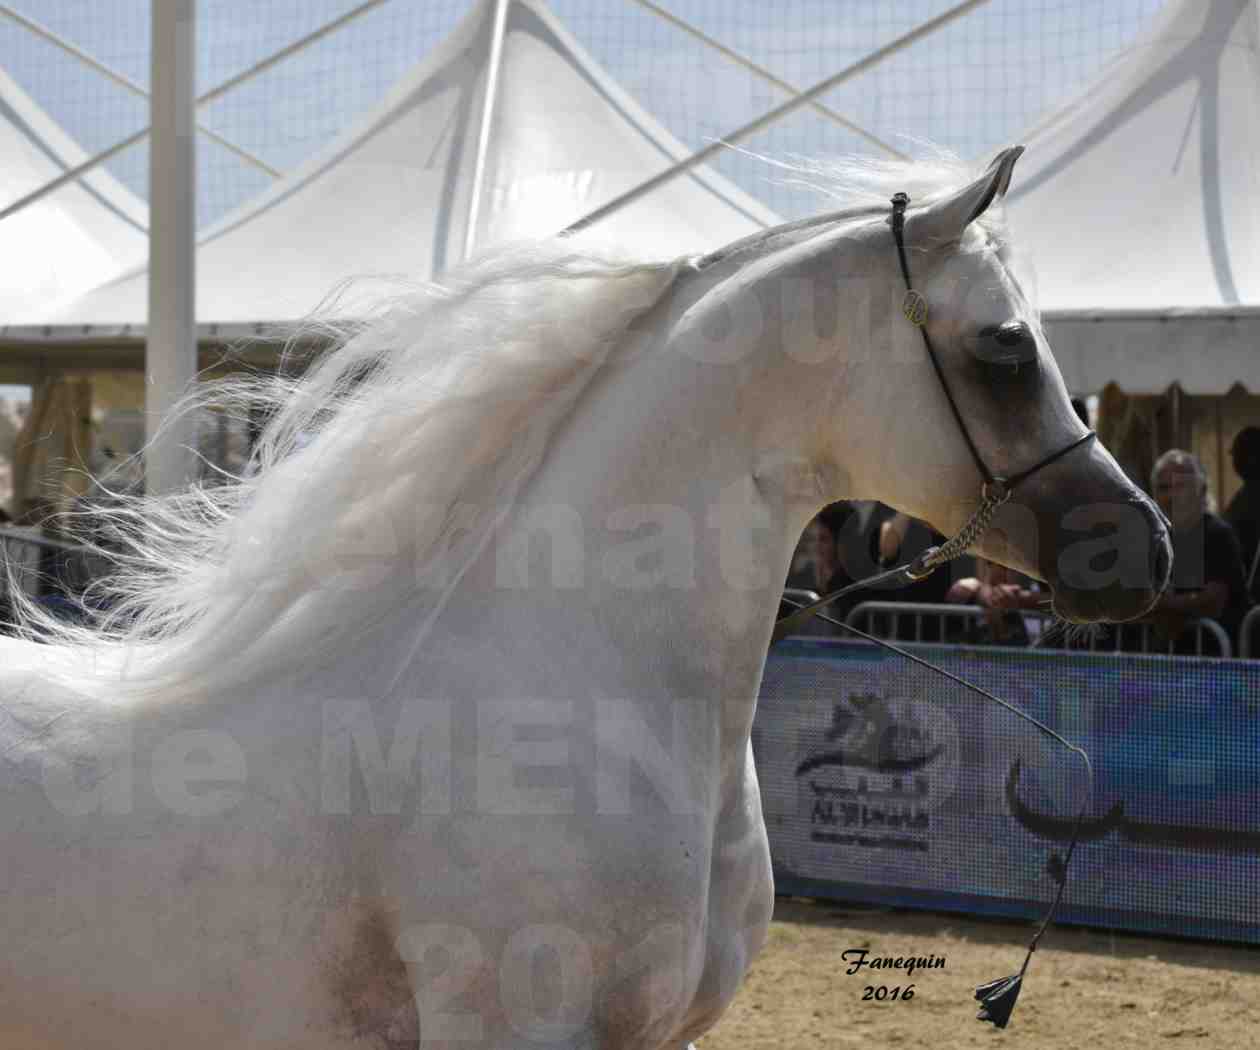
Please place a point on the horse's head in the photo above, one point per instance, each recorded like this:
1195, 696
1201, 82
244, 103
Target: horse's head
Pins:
1076, 522
883, 423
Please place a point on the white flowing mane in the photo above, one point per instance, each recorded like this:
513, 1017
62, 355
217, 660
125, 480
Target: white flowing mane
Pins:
403, 446
399, 448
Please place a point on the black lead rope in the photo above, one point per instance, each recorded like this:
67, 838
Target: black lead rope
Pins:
997, 998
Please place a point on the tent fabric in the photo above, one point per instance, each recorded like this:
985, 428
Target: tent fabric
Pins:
392, 195
70, 240
1204, 351
1139, 206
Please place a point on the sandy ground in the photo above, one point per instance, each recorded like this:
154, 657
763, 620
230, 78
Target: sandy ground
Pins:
1084, 988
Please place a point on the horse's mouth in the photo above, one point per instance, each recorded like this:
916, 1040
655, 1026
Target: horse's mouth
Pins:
1075, 617
1110, 605
1085, 601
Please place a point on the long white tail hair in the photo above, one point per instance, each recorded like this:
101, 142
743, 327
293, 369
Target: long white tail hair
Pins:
377, 480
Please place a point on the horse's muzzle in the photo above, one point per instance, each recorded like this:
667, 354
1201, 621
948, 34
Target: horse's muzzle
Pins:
1116, 576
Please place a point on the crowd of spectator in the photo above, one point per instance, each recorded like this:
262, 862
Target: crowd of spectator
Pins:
1216, 568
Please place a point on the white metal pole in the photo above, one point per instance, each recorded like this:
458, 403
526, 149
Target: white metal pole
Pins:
44, 33
487, 119
76, 173
171, 347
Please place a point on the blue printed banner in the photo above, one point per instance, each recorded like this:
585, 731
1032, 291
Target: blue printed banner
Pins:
883, 781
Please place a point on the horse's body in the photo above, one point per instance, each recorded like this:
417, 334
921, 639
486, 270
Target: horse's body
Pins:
540, 824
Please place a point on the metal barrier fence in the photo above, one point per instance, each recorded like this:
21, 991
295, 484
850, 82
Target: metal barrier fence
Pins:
944, 623
51, 571
800, 594
1249, 635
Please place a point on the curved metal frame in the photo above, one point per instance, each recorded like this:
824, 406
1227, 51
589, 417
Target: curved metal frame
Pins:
1250, 624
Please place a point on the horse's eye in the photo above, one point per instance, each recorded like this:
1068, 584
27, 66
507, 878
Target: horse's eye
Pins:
1011, 344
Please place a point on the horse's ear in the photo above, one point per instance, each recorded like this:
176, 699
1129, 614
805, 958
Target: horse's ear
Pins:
944, 220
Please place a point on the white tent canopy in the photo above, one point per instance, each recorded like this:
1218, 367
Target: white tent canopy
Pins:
71, 240
393, 194
1139, 204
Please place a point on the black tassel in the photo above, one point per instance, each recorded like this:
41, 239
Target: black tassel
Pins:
997, 999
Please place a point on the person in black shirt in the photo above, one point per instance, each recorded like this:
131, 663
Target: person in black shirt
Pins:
1243, 512
1207, 574
823, 569
828, 565
844, 552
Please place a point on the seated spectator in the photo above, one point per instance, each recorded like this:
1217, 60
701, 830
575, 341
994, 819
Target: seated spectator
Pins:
1207, 573
854, 540
1243, 512
996, 589
829, 570
846, 552
826, 571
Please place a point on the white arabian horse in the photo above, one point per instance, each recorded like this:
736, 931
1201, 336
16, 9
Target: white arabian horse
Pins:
434, 729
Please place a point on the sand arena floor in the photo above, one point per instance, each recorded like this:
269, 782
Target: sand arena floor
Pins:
1085, 988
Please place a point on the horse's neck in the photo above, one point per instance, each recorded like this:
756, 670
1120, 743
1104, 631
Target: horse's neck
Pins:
666, 514
650, 547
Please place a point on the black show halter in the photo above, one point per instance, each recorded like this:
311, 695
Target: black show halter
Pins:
997, 998
994, 491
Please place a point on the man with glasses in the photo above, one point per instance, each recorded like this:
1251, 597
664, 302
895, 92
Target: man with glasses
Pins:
1207, 574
